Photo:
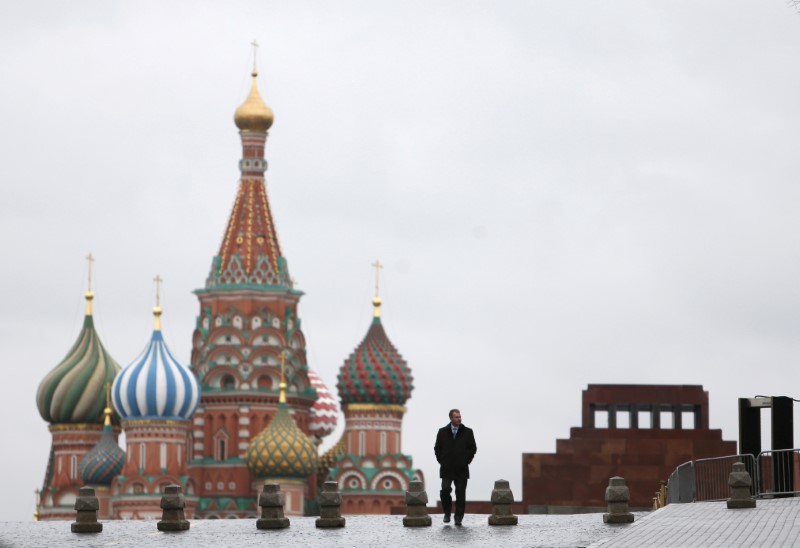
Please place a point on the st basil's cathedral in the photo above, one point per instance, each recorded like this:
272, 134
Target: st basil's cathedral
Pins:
245, 410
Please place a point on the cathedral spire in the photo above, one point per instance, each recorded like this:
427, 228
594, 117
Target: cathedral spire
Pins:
157, 307
250, 254
376, 300
89, 294
282, 386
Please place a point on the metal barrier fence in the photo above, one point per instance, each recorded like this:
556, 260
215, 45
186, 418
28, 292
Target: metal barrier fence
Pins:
779, 472
707, 479
711, 476
680, 486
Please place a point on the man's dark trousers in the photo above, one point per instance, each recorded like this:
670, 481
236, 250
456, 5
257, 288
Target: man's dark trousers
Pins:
447, 499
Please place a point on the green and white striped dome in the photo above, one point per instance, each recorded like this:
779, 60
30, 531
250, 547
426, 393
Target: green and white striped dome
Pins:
74, 392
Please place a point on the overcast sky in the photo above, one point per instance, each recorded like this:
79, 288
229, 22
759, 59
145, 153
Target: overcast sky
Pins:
563, 193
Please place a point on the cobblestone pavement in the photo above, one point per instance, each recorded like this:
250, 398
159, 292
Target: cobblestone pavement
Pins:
380, 531
774, 522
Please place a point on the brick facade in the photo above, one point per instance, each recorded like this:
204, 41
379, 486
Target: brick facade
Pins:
639, 432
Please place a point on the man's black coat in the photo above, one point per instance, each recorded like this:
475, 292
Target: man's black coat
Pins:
455, 454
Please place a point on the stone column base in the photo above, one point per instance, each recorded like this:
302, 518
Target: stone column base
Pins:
503, 520
330, 522
87, 527
618, 518
748, 503
272, 523
417, 521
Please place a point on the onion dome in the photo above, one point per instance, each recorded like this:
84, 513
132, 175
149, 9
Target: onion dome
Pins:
328, 460
105, 460
375, 372
253, 114
73, 391
155, 385
282, 450
324, 412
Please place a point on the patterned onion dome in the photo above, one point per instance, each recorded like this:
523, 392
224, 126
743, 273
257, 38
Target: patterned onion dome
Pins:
324, 412
253, 114
104, 461
155, 385
375, 372
328, 460
282, 450
73, 391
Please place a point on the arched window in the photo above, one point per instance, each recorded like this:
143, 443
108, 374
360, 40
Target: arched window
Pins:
383, 443
221, 445
228, 382
73, 467
142, 455
362, 443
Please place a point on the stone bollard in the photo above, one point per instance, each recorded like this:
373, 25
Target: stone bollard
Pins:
172, 504
617, 496
502, 498
330, 502
87, 506
417, 502
271, 502
740, 483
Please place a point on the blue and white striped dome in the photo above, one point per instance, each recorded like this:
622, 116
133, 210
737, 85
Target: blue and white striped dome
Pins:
155, 385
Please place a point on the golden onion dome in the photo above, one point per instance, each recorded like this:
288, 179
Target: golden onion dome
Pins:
253, 114
282, 450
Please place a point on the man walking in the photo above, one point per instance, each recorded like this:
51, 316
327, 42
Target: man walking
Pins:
455, 448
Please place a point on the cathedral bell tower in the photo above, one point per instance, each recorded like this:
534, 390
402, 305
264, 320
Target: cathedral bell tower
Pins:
248, 319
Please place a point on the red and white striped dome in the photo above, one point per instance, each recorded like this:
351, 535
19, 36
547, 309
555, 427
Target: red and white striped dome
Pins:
325, 412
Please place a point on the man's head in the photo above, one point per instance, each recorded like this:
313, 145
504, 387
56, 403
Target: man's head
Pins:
455, 417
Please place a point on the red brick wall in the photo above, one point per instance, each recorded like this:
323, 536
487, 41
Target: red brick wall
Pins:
577, 474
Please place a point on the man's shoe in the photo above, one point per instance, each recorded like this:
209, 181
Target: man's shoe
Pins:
447, 518
459, 519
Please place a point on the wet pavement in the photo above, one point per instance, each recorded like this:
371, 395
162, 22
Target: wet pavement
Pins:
382, 531
774, 522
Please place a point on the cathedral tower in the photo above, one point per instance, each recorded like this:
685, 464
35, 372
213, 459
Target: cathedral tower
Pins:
156, 397
71, 399
248, 319
374, 384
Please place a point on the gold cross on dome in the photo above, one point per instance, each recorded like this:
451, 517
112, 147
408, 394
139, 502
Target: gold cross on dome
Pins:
282, 386
90, 260
158, 282
377, 266
255, 49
